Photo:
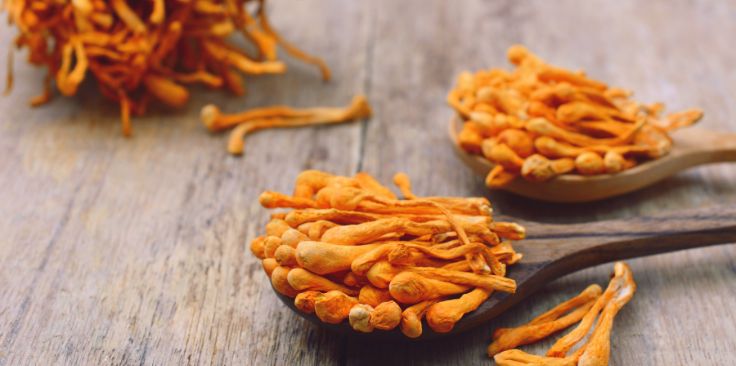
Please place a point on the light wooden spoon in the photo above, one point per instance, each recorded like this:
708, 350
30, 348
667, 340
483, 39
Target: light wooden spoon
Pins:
691, 147
551, 251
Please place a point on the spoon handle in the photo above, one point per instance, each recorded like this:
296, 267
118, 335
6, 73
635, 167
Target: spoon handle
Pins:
567, 248
698, 146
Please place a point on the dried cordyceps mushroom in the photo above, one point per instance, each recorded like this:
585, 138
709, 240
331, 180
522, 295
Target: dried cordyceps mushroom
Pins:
278, 117
589, 305
540, 121
139, 50
560, 317
348, 248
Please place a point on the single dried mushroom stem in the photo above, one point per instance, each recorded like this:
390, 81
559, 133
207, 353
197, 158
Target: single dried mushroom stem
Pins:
359, 318
362, 263
442, 316
386, 316
590, 293
257, 247
305, 300
401, 180
334, 306
411, 318
303, 280
298, 217
167, 91
269, 264
538, 168
214, 120
373, 296
285, 256
411, 288
270, 199
318, 228
276, 227
683, 119
489, 282
499, 177
589, 163
353, 280
292, 237
381, 274
324, 258
280, 281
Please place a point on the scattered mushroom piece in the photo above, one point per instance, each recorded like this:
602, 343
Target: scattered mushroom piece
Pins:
586, 307
442, 316
598, 349
558, 318
213, 119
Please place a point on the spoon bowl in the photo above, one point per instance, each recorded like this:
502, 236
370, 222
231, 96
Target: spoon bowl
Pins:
551, 251
691, 147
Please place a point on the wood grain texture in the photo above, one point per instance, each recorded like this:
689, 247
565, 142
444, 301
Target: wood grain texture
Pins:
131, 251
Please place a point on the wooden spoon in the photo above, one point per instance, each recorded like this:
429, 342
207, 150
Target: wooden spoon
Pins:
552, 251
691, 147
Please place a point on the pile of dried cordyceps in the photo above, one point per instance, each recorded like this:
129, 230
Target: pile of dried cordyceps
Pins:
583, 309
540, 121
138, 50
349, 249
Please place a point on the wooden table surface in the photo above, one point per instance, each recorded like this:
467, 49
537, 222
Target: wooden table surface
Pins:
131, 251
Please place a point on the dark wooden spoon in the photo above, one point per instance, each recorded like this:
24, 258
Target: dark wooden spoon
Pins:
551, 251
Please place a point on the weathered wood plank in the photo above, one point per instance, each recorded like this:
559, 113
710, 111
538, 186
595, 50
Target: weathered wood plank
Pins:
130, 251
